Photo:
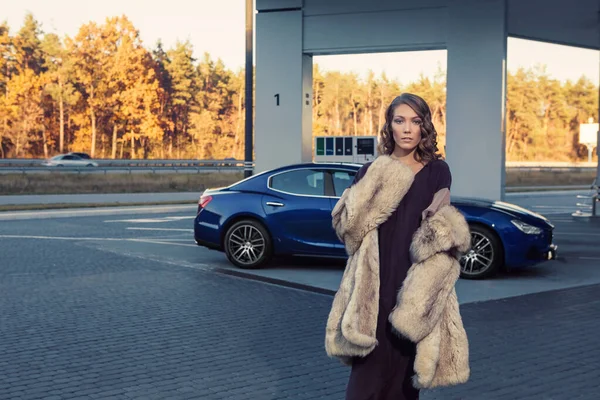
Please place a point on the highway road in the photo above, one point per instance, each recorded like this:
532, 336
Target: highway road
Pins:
167, 231
108, 198
117, 170
548, 203
125, 305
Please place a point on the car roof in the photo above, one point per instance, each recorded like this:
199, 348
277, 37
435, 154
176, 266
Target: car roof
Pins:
317, 165
262, 175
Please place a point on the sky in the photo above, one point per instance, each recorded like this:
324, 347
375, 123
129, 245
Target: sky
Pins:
217, 27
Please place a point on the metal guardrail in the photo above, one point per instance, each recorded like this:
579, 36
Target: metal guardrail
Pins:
128, 166
589, 210
114, 170
131, 163
550, 164
536, 188
511, 165
550, 169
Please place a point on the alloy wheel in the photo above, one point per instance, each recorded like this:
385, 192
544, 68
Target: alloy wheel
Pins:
480, 257
246, 244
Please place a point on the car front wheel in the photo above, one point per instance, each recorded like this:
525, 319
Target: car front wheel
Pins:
484, 259
247, 244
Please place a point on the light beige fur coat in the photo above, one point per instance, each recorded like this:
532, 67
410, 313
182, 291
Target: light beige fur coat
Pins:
426, 310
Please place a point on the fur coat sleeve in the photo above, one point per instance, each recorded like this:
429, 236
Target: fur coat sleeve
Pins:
427, 310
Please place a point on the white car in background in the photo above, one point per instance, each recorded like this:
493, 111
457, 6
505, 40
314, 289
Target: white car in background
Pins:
69, 160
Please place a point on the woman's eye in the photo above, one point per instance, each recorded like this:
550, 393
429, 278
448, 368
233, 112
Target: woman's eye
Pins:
398, 121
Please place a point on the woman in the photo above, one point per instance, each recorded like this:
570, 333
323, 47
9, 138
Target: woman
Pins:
395, 318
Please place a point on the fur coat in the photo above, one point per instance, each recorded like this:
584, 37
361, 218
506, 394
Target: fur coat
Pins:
427, 310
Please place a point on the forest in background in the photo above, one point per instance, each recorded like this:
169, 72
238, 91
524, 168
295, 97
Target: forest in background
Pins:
103, 92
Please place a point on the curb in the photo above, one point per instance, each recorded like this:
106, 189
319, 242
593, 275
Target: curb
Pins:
96, 211
275, 281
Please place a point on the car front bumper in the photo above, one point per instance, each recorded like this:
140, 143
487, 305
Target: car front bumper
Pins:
552, 252
536, 254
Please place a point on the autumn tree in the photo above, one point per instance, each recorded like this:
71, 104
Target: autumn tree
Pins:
24, 100
212, 121
59, 74
160, 60
89, 51
28, 54
104, 92
583, 104
22, 104
131, 99
184, 88
6, 67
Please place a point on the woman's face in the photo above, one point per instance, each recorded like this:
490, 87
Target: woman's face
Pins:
406, 126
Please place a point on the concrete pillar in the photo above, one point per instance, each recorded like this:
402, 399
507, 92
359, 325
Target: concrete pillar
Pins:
476, 97
283, 119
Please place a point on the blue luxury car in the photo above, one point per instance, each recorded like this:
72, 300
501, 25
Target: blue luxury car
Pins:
287, 211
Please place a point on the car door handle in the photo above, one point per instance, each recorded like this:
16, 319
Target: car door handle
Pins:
274, 204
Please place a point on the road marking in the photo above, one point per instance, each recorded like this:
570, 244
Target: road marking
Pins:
135, 228
576, 234
57, 237
161, 242
170, 239
98, 211
151, 220
547, 214
149, 240
139, 221
553, 207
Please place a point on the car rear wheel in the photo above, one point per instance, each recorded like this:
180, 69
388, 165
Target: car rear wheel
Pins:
485, 256
247, 244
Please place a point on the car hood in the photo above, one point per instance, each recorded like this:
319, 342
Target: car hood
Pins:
514, 210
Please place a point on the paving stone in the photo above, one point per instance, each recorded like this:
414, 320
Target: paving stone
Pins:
116, 327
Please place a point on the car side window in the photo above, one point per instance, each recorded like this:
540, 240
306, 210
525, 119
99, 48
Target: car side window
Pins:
302, 181
341, 181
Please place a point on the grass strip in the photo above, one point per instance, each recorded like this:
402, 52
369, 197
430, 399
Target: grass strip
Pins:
69, 183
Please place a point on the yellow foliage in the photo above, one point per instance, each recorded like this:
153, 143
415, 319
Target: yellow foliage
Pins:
103, 92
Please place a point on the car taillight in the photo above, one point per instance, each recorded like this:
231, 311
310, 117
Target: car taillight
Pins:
204, 200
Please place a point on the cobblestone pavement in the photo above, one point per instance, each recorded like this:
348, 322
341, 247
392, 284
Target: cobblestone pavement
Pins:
80, 322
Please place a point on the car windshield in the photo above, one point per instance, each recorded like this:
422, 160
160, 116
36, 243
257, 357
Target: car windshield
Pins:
57, 157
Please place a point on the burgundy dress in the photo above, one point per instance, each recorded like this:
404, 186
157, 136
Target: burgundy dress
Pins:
386, 373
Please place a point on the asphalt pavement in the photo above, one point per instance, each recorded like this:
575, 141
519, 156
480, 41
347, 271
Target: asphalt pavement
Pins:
126, 306
545, 202
106, 198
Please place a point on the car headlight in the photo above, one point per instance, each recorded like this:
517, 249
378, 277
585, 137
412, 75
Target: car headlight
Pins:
526, 228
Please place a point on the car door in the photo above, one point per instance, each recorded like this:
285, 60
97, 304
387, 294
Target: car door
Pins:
81, 162
69, 161
341, 179
298, 212
78, 161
